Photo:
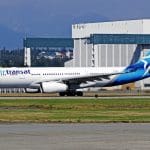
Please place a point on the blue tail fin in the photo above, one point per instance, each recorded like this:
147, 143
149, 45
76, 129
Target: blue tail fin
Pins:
136, 55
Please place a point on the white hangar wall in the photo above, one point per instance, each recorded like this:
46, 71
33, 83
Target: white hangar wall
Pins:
116, 27
87, 55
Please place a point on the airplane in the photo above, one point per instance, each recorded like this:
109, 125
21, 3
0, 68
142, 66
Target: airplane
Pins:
69, 81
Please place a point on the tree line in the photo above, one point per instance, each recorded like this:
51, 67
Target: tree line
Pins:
15, 58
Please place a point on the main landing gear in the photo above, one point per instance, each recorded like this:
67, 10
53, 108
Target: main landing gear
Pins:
71, 93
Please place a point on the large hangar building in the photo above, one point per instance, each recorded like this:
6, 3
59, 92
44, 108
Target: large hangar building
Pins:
111, 44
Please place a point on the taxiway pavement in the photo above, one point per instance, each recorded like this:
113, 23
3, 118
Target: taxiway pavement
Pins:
117, 136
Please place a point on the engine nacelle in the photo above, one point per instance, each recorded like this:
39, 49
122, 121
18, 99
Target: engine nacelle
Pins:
29, 90
51, 87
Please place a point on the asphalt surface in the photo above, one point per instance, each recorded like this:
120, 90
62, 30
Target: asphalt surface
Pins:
75, 136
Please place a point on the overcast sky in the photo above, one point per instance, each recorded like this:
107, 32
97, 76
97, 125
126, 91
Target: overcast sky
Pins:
53, 18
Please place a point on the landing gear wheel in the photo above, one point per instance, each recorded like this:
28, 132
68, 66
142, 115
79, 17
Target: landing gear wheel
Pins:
62, 94
71, 94
79, 93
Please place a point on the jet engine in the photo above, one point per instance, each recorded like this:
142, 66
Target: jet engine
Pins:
29, 90
50, 87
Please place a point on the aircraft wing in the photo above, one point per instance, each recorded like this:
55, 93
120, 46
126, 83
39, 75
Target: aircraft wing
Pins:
91, 77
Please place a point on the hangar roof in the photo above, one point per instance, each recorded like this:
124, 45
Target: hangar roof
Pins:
48, 42
120, 38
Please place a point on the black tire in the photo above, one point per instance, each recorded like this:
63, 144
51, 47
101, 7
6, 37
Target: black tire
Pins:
62, 94
79, 93
71, 93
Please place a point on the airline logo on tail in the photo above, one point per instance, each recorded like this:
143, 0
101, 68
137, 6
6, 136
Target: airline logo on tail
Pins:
146, 62
146, 67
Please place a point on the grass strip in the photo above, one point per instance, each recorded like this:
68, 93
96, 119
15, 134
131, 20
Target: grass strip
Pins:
75, 110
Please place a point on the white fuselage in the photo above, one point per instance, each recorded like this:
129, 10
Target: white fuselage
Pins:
31, 77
